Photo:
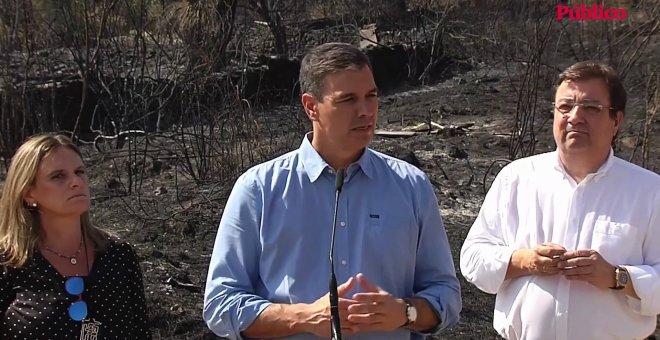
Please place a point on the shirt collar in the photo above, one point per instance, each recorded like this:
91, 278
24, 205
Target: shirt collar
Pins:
314, 164
364, 162
601, 171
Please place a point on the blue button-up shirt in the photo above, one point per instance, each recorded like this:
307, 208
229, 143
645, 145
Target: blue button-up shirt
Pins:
273, 242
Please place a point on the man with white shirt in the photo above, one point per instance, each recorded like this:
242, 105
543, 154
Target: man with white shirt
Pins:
569, 240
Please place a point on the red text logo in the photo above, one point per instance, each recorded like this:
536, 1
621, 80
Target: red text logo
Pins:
594, 12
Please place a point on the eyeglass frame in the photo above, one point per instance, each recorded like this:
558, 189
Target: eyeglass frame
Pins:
581, 104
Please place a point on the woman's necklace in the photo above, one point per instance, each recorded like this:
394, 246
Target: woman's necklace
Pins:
73, 258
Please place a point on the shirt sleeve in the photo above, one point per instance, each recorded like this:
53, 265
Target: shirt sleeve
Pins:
230, 302
487, 250
646, 278
435, 275
140, 324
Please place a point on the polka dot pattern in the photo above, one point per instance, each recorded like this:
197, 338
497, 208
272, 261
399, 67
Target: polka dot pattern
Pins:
35, 304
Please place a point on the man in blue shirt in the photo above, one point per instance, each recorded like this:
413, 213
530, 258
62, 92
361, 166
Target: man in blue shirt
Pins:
269, 272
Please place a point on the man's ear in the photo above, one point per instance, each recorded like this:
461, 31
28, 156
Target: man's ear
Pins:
309, 104
618, 119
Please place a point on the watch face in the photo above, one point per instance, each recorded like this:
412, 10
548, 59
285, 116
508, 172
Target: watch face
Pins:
412, 314
623, 277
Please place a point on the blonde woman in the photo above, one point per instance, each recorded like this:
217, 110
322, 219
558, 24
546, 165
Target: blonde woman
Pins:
61, 277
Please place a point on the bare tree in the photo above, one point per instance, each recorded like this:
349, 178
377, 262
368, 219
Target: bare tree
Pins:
270, 11
652, 110
206, 27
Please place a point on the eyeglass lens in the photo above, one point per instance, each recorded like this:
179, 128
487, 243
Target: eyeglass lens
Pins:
589, 107
78, 309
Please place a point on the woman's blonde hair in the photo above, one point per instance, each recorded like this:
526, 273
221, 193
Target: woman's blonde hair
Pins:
20, 226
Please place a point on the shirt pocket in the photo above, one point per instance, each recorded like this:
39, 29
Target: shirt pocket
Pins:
373, 221
614, 241
389, 233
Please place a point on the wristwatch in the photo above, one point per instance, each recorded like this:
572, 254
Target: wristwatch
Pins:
621, 278
411, 313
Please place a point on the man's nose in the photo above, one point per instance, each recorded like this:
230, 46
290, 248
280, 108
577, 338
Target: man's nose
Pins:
576, 114
366, 108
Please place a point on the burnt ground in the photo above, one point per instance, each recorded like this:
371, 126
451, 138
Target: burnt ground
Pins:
173, 222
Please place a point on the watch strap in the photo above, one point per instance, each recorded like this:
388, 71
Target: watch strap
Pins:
408, 307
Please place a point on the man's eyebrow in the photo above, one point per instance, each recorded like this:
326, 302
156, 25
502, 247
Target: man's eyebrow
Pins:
350, 94
343, 95
585, 100
589, 100
346, 95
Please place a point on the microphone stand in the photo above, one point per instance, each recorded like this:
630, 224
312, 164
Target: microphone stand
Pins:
334, 296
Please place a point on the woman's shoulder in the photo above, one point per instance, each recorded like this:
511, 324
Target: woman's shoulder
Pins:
115, 245
5, 268
4, 261
120, 257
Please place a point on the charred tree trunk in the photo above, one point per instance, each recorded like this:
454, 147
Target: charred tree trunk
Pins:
268, 11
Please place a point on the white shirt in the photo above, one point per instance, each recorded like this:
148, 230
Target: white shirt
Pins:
615, 211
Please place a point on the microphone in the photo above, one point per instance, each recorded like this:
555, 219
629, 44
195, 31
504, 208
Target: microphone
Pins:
334, 298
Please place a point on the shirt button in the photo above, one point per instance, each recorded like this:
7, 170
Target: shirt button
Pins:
343, 224
343, 262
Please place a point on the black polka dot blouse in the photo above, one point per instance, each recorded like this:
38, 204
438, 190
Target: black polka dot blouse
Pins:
34, 302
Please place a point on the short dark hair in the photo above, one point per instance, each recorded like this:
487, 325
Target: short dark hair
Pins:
590, 69
327, 59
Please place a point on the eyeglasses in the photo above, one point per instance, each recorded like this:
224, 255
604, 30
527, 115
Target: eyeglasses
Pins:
75, 285
591, 108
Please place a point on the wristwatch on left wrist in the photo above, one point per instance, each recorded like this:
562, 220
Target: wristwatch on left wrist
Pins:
621, 278
411, 313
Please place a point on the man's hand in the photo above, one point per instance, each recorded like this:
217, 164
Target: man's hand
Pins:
376, 309
317, 315
540, 260
589, 266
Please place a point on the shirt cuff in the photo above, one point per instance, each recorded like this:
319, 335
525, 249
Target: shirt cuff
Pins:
646, 283
250, 312
231, 320
494, 267
435, 307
